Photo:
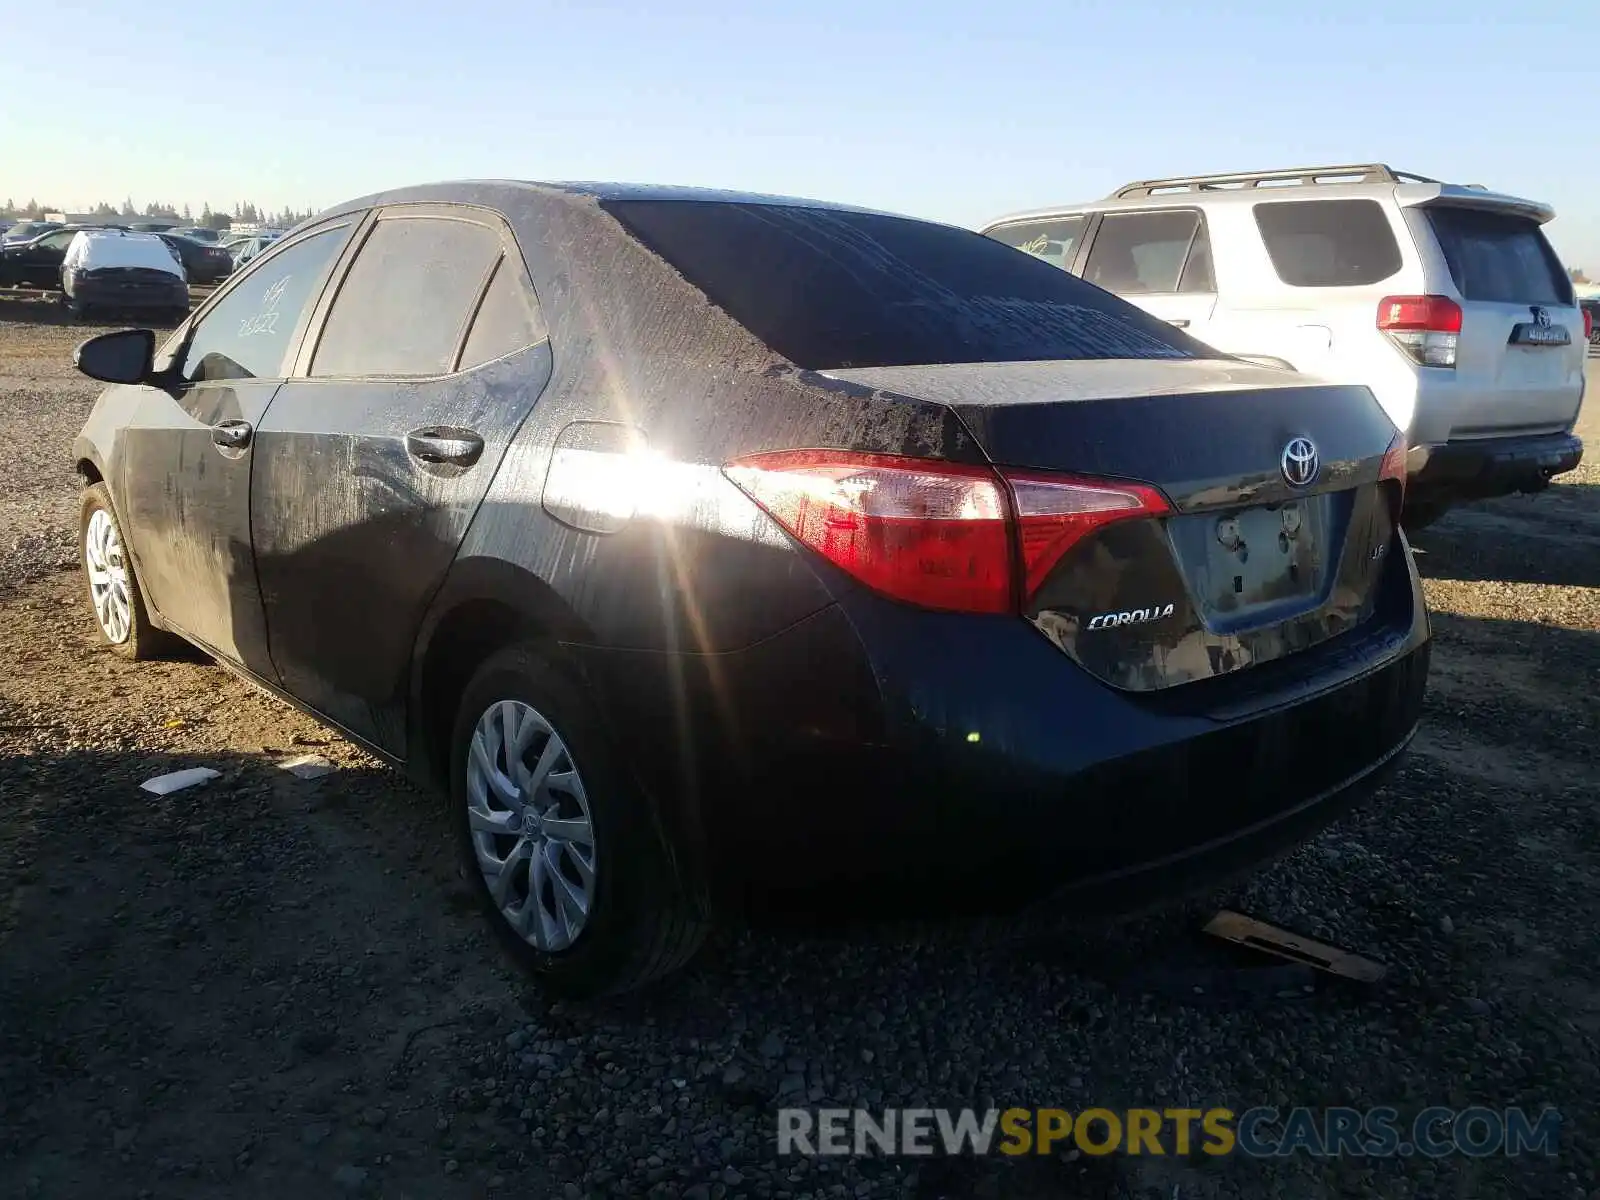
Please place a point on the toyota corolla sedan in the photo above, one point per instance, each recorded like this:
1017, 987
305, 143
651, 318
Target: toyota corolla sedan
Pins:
706, 550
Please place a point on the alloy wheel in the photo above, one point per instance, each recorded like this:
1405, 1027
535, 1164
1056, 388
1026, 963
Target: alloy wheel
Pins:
108, 577
529, 821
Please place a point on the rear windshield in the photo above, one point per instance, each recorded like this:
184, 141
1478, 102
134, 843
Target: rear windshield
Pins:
1328, 243
829, 289
1499, 257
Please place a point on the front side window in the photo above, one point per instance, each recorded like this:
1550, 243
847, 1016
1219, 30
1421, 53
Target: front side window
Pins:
1328, 243
403, 306
1141, 253
247, 334
1054, 240
830, 289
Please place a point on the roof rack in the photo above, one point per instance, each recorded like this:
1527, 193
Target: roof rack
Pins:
1352, 173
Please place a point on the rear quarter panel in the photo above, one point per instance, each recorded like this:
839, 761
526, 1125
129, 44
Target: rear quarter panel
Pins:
698, 567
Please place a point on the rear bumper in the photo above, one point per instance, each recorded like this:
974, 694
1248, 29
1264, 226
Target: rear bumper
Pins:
127, 297
889, 760
1483, 468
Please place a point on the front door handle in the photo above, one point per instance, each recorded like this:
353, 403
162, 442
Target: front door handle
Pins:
454, 447
232, 435
1180, 322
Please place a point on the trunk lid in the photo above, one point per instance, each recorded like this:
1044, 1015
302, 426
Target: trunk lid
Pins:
1248, 567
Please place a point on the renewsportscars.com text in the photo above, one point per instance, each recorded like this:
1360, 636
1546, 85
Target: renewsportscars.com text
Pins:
1262, 1132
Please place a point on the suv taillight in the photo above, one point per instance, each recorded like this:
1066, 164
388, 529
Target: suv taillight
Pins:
1426, 328
1588, 324
931, 533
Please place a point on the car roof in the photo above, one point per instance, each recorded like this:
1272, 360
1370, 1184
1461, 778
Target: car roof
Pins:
468, 191
1405, 194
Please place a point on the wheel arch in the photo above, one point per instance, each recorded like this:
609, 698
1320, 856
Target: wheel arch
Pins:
483, 606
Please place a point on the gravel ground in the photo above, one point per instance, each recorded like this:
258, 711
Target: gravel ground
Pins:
269, 986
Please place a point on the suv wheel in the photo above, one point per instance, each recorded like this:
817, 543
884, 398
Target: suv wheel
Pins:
114, 595
559, 844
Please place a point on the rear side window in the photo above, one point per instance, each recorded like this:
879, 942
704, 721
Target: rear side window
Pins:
1328, 243
406, 300
1055, 241
1141, 253
246, 334
830, 289
507, 320
1499, 257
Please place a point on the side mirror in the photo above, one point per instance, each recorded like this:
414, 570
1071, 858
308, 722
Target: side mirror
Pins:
126, 356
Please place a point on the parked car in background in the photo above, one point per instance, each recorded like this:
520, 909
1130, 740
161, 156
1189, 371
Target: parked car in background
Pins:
37, 263
246, 250
199, 233
1446, 300
116, 271
202, 264
1591, 318
547, 492
26, 231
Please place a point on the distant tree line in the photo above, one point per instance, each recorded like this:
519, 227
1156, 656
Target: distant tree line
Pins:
156, 211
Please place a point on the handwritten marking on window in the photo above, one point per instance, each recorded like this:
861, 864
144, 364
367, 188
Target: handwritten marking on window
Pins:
265, 320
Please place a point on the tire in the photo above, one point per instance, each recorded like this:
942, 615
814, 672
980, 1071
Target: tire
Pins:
130, 634
636, 924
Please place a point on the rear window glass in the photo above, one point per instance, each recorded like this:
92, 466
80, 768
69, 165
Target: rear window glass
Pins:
403, 306
1055, 241
830, 289
1499, 257
1328, 243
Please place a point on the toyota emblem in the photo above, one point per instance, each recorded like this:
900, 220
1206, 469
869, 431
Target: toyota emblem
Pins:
1299, 462
1541, 316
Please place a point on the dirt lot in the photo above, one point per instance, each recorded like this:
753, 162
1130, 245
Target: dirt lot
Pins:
272, 987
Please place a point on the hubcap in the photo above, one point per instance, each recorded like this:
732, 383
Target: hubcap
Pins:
108, 577
529, 820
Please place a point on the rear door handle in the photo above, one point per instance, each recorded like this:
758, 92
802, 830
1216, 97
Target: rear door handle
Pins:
232, 435
455, 447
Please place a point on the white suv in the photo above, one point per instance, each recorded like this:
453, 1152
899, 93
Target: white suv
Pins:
1446, 300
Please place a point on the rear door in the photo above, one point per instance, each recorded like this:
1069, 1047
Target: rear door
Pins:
1519, 359
371, 462
1160, 261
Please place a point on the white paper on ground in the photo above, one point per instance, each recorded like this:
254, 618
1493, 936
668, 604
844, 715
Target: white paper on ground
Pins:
307, 766
176, 781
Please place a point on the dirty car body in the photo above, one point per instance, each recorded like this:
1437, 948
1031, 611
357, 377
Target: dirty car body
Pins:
927, 566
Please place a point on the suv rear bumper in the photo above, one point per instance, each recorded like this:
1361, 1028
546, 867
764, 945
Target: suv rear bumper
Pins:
1483, 468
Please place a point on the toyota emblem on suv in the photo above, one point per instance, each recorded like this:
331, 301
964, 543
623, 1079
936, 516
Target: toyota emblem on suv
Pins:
1299, 462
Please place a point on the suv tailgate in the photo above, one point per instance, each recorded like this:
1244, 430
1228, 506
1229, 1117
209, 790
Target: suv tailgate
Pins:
1519, 358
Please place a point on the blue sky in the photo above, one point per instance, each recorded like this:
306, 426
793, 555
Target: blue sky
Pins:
956, 111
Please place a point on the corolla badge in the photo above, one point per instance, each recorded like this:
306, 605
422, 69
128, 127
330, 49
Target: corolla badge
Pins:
1137, 616
1299, 462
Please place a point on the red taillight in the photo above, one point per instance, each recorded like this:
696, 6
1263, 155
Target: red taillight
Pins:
1422, 314
1054, 512
1588, 324
1394, 461
1426, 328
936, 534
